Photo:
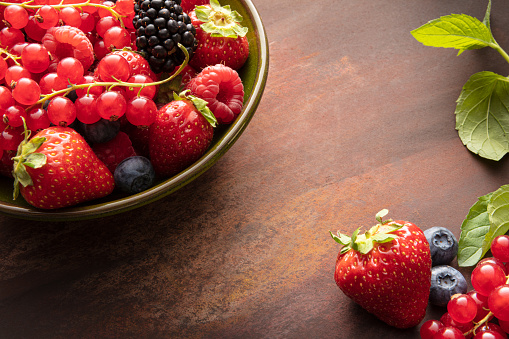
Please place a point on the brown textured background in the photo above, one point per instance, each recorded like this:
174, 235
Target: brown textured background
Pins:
356, 116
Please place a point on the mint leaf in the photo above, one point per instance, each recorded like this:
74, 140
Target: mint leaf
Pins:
486, 20
498, 210
473, 231
482, 115
459, 31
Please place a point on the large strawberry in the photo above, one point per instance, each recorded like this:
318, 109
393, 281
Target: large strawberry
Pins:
221, 38
181, 134
387, 271
57, 168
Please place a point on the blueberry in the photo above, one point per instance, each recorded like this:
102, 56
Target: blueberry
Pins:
445, 282
134, 174
101, 131
442, 244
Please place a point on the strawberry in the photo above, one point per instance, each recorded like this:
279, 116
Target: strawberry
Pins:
181, 134
221, 39
57, 168
189, 5
387, 271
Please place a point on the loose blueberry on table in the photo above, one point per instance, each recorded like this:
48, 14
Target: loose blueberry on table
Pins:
80, 73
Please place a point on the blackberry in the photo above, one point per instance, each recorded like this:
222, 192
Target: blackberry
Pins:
160, 26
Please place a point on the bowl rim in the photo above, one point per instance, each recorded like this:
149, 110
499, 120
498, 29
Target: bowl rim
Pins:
183, 178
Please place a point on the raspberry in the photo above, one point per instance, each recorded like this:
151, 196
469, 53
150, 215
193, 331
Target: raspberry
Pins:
223, 90
67, 41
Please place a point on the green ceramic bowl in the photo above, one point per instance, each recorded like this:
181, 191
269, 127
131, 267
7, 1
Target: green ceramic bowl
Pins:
253, 74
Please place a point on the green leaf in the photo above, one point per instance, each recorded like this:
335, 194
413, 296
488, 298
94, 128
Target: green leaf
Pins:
459, 31
471, 246
381, 214
486, 20
200, 104
381, 238
341, 238
482, 115
498, 210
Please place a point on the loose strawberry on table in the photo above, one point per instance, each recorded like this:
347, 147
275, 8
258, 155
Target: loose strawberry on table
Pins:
386, 271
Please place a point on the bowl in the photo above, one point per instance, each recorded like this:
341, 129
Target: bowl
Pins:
254, 76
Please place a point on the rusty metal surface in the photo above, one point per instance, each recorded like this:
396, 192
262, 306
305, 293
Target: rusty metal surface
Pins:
357, 116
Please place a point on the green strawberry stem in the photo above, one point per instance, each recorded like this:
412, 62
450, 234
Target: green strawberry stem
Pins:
200, 104
364, 243
110, 85
26, 156
220, 21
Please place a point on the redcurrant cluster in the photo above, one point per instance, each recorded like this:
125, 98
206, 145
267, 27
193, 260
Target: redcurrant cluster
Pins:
68, 60
482, 313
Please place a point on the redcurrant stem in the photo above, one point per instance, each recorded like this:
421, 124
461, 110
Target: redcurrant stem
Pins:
62, 5
483, 320
113, 84
10, 56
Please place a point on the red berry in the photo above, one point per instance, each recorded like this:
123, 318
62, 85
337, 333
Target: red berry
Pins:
111, 105
14, 115
35, 58
3, 68
16, 15
6, 99
14, 73
11, 138
27, 92
487, 277
148, 91
482, 305
87, 22
222, 88
86, 110
141, 111
70, 69
95, 90
46, 17
449, 332
51, 82
67, 41
488, 335
104, 12
70, 16
61, 111
430, 328
37, 119
500, 248
117, 38
104, 24
10, 36
33, 30
462, 308
112, 68
498, 302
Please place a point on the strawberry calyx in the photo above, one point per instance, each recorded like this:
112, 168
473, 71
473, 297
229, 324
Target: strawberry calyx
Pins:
200, 104
26, 156
220, 21
364, 243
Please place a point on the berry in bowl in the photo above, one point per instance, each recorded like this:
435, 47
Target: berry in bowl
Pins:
109, 106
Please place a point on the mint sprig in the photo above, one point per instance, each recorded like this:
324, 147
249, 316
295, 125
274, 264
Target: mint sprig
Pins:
487, 219
482, 110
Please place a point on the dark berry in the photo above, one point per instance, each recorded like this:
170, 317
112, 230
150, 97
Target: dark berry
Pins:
134, 175
445, 282
443, 245
101, 131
